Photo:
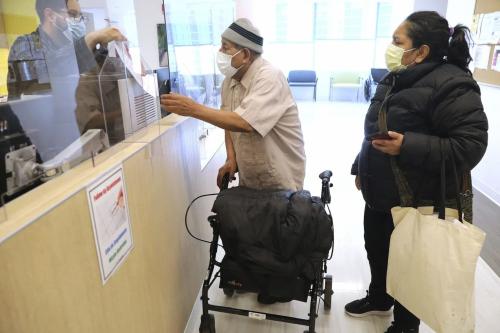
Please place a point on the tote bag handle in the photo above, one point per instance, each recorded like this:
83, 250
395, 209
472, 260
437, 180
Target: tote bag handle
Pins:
442, 201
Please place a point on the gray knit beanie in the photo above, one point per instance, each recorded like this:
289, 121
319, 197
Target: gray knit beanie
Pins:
243, 33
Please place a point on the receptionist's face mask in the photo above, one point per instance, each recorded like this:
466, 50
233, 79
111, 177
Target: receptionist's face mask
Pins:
394, 56
72, 29
224, 64
76, 28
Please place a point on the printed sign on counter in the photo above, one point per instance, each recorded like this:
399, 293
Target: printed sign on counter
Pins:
110, 219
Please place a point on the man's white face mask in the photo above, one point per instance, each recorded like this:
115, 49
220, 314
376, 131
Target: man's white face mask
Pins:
393, 57
224, 64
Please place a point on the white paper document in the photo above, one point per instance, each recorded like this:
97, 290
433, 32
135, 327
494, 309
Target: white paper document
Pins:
482, 56
489, 28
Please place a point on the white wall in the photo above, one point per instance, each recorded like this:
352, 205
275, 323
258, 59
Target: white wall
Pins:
148, 15
439, 6
460, 11
486, 176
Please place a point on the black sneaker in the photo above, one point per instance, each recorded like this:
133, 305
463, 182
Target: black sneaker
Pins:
394, 329
365, 307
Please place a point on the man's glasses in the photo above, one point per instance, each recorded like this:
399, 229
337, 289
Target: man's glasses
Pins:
74, 16
78, 19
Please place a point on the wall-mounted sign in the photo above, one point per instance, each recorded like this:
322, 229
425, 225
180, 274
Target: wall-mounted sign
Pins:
110, 219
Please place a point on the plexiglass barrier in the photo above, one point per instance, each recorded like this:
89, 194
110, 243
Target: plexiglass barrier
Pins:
70, 88
119, 97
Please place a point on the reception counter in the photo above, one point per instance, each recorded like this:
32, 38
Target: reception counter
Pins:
49, 271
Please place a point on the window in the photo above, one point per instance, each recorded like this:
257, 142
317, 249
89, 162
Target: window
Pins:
353, 22
281, 21
191, 25
195, 28
348, 19
328, 35
293, 21
325, 24
384, 14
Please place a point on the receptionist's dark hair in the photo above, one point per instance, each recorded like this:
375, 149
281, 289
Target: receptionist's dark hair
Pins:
41, 5
449, 43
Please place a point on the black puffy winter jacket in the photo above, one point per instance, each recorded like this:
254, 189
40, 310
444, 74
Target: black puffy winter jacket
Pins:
434, 105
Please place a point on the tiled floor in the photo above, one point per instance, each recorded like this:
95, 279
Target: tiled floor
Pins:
333, 133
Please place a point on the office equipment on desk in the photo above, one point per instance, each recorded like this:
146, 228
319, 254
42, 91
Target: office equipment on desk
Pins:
139, 108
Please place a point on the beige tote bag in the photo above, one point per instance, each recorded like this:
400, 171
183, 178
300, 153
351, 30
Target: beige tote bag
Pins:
432, 263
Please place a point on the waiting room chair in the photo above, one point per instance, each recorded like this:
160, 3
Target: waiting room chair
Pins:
376, 76
303, 78
345, 83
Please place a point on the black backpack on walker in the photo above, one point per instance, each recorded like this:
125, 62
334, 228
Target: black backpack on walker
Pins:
275, 241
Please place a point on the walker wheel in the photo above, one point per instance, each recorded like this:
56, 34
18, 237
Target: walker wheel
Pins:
328, 292
229, 292
207, 324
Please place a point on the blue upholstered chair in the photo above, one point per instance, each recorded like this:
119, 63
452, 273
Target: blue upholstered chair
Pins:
303, 78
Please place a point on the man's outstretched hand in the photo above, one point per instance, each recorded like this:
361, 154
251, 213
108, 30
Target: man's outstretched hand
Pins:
178, 104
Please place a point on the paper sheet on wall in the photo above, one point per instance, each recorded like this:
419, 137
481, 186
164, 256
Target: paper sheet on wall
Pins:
495, 64
489, 28
482, 56
108, 205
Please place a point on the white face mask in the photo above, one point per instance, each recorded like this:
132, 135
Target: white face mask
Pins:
394, 56
77, 29
224, 64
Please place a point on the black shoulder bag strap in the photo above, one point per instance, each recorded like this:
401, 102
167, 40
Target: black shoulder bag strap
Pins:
405, 193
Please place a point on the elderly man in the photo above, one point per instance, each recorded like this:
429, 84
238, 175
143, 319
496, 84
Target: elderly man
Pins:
264, 141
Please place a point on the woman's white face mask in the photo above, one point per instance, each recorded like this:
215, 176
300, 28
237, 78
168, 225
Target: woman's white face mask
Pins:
393, 57
224, 64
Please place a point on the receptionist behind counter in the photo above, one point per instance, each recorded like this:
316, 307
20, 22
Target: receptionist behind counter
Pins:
59, 47
47, 63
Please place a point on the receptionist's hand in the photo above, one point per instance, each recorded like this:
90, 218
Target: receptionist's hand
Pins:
178, 104
103, 37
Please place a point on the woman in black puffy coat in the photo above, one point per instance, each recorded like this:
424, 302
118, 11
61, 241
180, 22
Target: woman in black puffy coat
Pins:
427, 107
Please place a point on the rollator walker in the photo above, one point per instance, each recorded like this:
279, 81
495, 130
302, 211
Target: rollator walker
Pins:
319, 288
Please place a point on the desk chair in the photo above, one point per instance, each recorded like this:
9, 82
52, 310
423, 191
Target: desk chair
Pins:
303, 78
